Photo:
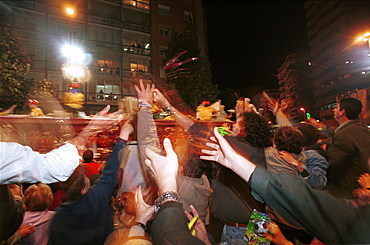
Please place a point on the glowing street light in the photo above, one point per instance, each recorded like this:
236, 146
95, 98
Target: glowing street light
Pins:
73, 54
365, 38
74, 71
70, 11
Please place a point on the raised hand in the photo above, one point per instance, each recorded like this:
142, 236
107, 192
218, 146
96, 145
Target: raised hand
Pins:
102, 121
199, 227
224, 154
163, 168
126, 130
145, 93
289, 158
364, 180
144, 212
160, 99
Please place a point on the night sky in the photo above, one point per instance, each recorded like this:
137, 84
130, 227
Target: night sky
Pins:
249, 40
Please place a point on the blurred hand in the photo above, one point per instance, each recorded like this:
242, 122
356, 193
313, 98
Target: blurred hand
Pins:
364, 180
103, 120
276, 236
200, 228
26, 230
315, 123
221, 151
145, 93
289, 158
16, 190
273, 105
224, 154
144, 212
126, 130
160, 99
363, 196
163, 168
8, 111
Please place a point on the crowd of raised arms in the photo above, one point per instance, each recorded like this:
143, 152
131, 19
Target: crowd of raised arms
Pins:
305, 185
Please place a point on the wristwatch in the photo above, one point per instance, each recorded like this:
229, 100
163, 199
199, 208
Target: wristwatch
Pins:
166, 195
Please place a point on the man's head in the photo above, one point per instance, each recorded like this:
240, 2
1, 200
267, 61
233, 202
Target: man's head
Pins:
88, 156
254, 129
76, 185
310, 133
288, 139
347, 109
38, 197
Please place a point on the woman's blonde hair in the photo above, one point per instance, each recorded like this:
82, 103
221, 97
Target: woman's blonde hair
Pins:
38, 197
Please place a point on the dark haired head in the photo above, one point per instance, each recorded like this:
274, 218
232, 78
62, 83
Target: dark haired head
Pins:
352, 106
288, 139
255, 130
310, 134
74, 184
88, 155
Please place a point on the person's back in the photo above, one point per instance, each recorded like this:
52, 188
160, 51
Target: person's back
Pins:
86, 217
289, 140
350, 150
37, 199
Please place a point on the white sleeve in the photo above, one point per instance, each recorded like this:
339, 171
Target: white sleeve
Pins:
20, 163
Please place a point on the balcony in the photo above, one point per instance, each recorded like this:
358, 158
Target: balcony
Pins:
104, 21
136, 50
135, 27
118, 72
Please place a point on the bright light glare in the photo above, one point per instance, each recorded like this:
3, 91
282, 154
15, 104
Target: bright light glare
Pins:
360, 39
74, 71
74, 54
70, 11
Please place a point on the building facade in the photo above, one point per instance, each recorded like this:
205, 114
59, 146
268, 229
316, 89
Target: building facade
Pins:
340, 60
120, 41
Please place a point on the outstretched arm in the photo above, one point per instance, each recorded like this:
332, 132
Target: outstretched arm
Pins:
170, 224
21, 164
184, 121
224, 154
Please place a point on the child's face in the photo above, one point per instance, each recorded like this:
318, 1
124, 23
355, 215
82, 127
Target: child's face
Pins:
32, 106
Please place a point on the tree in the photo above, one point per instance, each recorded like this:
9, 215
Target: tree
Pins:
194, 84
13, 68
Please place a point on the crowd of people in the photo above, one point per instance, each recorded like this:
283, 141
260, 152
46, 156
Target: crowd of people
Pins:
197, 188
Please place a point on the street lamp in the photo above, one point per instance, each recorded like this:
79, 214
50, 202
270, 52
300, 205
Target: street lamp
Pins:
70, 11
365, 38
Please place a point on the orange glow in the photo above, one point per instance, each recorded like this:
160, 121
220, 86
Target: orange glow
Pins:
70, 11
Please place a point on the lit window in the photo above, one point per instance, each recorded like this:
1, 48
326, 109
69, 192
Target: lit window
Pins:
164, 30
138, 67
164, 10
188, 16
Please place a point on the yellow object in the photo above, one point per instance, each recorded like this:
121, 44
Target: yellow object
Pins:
36, 112
191, 225
74, 99
205, 113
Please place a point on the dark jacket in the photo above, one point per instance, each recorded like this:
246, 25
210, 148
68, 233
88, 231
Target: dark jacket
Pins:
11, 213
170, 226
90, 220
348, 157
